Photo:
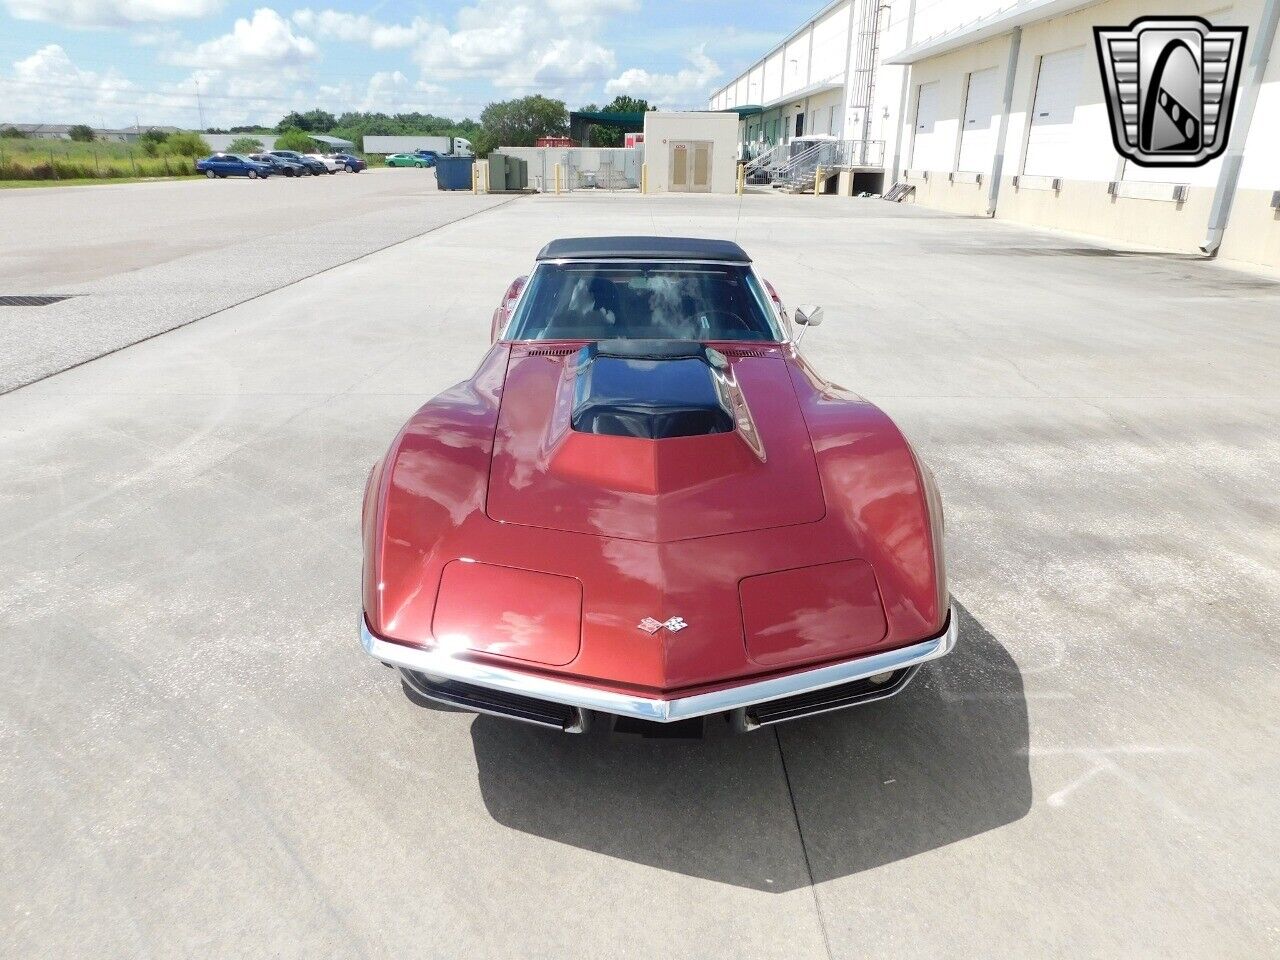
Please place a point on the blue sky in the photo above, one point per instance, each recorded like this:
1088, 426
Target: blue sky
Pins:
107, 61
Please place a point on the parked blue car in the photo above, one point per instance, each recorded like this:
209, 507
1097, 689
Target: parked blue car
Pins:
314, 167
430, 156
279, 165
350, 161
232, 165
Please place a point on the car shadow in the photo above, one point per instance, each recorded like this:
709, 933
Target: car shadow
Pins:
944, 760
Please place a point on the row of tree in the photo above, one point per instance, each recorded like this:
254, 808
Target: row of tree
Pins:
513, 123
154, 143
290, 139
522, 122
80, 132
510, 123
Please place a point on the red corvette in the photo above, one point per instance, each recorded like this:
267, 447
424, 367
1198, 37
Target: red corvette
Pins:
646, 509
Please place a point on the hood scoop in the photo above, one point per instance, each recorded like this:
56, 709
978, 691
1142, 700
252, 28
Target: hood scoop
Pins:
652, 440
651, 390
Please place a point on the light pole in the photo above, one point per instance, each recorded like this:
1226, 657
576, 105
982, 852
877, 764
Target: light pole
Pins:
199, 105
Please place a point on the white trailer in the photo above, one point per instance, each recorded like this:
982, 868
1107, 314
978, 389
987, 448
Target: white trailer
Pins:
455, 146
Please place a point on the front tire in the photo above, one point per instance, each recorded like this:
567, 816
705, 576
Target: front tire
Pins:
210, 174
253, 174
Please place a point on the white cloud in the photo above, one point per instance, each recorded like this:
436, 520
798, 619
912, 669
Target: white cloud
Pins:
109, 13
360, 28
575, 13
158, 37
545, 46
48, 84
560, 63
47, 87
383, 91
689, 85
549, 46
267, 40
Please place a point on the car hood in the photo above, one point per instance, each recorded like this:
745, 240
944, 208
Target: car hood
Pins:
759, 474
495, 529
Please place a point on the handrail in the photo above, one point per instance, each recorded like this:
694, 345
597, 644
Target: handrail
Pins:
828, 154
801, 161
764, 159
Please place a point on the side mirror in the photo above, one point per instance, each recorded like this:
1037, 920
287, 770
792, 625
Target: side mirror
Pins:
808, 315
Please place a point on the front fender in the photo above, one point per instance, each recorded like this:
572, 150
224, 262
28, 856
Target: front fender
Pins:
433, 478
875, 485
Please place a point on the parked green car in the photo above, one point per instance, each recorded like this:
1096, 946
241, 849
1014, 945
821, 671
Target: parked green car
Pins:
406, 160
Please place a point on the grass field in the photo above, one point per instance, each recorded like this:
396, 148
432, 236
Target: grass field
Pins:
44, 160
90, 182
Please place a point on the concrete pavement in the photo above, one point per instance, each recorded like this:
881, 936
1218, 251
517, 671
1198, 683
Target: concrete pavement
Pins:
140, 259
196, 759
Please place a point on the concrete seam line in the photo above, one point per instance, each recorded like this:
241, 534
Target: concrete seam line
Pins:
804, 847
256, 296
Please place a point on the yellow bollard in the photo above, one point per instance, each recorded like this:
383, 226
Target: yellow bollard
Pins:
644, 178
557, 179
742, 179
475, 177
817, 182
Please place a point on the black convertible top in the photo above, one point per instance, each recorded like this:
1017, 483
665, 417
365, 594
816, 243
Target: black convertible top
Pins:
643, 248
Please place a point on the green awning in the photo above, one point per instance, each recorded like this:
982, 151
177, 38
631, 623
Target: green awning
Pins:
627, 122
581, 121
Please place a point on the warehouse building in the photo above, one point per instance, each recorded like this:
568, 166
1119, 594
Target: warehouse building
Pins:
62, 131
1002, 112
825, 79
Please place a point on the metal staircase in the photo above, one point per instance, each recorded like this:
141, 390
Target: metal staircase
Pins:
798, 172
759, 168
899, 191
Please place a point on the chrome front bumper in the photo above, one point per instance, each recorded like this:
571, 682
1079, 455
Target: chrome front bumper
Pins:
435, 664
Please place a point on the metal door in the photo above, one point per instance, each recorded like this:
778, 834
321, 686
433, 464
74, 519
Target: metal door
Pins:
690, 169
928, 151
1051, 139
978, 135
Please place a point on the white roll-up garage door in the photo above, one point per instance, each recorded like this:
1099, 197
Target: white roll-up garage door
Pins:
927, 150
978, 135
1050, 146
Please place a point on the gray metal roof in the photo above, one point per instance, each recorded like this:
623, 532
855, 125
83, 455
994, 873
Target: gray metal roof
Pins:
642, 248
333, 141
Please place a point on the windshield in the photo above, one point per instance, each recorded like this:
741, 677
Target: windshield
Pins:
644, 301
